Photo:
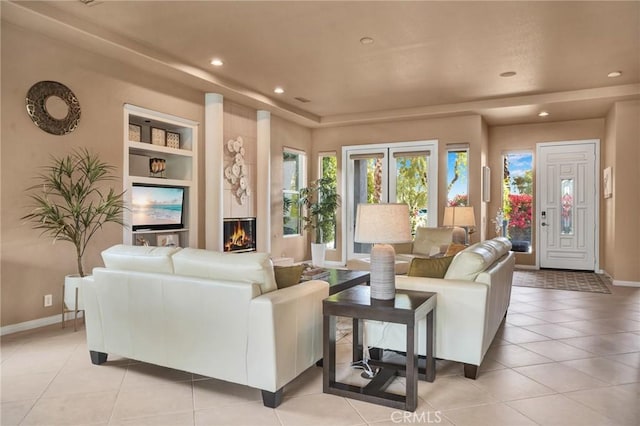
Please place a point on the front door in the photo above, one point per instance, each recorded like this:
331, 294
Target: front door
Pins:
567, 204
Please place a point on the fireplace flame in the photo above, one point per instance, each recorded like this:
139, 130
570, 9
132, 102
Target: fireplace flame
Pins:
238, 239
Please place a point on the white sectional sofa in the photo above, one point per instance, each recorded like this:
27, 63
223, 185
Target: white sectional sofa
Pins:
472, 302
215, 314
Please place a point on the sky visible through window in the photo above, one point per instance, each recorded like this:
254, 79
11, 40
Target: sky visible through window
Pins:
519, 164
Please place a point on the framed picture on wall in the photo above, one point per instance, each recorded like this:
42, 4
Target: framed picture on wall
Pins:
486, 184
607, 185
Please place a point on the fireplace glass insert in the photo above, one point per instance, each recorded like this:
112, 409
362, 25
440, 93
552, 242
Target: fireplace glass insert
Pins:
240, 234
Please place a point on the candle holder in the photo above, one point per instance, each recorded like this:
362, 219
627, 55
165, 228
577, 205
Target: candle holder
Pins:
157, 167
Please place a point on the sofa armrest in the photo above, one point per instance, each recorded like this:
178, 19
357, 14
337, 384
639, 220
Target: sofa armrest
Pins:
285, 334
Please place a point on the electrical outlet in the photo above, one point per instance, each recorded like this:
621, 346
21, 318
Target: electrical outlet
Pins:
48, 300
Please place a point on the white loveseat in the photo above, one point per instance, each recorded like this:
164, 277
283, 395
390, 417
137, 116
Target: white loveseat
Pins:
472, 301
215, 314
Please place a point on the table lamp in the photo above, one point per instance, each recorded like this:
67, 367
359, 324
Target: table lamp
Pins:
460, 216
381, 225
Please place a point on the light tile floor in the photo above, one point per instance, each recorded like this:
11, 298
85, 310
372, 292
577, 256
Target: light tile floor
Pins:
561, 358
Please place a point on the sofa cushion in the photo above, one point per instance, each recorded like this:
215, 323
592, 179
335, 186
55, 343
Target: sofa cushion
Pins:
432, 268
468, 263
428, 238
248, 267
286, 276
140, 258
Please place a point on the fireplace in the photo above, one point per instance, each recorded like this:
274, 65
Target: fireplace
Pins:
240, 234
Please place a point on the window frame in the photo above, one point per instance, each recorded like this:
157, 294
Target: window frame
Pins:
302, 178
320, 174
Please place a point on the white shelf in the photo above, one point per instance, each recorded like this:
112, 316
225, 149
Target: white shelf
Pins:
159, 231
142, 148
181, 171
160, 181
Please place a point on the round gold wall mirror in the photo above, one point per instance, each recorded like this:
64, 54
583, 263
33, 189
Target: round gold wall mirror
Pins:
53, 107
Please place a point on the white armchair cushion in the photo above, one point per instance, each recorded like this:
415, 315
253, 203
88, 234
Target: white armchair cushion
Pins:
248, 267
428, 238
140, 258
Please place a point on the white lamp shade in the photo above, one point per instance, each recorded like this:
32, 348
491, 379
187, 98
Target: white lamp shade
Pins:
383, 224
459, 216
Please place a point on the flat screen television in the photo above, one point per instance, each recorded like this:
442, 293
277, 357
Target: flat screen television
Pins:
157, 207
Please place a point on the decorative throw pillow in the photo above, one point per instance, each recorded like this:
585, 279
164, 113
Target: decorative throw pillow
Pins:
286, 276
432, 268
454, 248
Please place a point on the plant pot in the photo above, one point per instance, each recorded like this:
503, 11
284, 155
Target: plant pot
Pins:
72, 298
317, 254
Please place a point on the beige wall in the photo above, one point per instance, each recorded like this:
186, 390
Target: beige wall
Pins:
466, 129
621, 230
239, 120
32, 266
525, 137
289, 135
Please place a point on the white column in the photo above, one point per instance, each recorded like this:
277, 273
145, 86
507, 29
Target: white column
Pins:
214, 164
263, 182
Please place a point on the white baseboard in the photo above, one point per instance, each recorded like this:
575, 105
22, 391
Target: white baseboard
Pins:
626, 283
533, 267
36, 323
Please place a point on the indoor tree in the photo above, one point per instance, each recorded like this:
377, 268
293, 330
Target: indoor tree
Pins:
69, 202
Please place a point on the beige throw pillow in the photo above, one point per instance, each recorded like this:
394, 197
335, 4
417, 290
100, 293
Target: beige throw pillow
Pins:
287, 276
432, 268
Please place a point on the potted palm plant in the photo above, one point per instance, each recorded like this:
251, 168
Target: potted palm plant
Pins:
321, 200
69, 203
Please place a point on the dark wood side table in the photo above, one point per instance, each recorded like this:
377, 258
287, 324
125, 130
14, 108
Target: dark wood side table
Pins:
407, 308
342, 279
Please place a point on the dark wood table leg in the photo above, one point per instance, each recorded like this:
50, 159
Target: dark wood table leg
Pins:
411, 398
430, 360
329, 351
357, 340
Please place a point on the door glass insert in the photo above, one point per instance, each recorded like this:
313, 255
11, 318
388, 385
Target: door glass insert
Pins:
367, 187
412, 170
566, 216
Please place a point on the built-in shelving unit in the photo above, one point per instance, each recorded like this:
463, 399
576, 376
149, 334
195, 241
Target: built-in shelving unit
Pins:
180, 170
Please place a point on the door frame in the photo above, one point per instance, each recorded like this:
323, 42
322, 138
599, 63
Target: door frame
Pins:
347, 197
596, 212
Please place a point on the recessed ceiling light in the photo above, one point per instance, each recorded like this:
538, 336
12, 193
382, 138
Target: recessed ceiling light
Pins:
279, 90
614, 74
543, 114
217, 62
366, 40
508, 74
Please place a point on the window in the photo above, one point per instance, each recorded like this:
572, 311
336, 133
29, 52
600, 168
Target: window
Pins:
517, 199
457, 177
328, 166
293, 170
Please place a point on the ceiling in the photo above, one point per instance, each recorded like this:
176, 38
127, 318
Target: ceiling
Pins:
428, 59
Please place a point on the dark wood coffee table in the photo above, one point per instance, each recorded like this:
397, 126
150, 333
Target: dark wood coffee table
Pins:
407, 308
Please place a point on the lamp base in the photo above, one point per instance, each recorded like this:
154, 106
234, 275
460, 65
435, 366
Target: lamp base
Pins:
383, 272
